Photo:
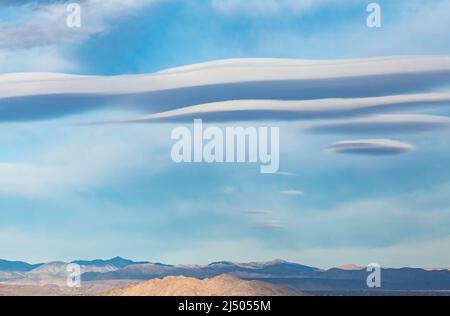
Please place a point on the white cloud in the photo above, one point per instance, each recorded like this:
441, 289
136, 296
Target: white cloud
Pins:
428, 71
38, 39
269, 223
292, 192
286, 173
301, 110
265, 219
259, 212
236, 87
45, 24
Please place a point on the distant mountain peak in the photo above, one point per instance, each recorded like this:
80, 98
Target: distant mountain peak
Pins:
117, 262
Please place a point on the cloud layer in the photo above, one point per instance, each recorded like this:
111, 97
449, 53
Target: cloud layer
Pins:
345, 96
247, 89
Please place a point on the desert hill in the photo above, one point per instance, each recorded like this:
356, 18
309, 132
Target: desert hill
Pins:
223, 285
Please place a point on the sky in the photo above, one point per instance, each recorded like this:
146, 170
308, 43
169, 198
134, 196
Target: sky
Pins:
71, 190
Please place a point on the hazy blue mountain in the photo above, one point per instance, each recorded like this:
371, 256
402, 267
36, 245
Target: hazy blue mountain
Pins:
243, 270
396, 279
349, 279
117, 262
300, 277
17, 266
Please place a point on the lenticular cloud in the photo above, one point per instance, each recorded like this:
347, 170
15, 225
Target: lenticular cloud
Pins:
344, 96
242, 89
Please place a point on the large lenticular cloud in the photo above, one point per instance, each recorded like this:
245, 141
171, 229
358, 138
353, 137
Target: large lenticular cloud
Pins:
246, 89
332, 97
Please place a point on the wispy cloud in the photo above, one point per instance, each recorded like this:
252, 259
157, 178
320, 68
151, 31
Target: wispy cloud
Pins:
373, 147
265, 219
286, 173
269, 224
259, 212
45, 24
292, 192
277, 110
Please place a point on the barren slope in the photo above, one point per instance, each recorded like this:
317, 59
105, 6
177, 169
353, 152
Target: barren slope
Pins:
224, 285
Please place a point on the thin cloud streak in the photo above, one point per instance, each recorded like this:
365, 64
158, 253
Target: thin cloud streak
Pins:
370, 147
292, 192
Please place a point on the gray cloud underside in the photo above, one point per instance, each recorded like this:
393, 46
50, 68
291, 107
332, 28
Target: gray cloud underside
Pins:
370, 147
344, 83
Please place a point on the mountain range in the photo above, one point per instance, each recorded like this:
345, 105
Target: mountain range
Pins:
301, 278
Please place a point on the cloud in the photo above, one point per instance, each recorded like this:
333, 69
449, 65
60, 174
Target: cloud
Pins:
247, 89
264, 219
373, 147
383, 124
269, 224
228, 189
259, 212
34, 35
44, 24
292, 192
246, 110
286, 173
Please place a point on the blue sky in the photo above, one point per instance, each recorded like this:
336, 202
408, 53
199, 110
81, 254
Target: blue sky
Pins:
73, 192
